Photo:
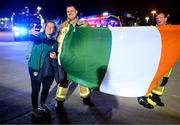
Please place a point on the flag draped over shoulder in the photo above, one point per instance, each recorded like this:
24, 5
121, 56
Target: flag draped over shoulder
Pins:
124, 61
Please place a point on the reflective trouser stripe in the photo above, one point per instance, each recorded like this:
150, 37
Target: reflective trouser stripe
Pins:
61, 93
84, 92
168, 73
158, 90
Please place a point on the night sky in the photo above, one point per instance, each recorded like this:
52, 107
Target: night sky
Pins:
56, 8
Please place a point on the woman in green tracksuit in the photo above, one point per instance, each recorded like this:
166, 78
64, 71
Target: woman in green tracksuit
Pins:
43, 44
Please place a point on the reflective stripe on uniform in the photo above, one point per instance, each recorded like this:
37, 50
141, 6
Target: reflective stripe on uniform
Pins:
168, 73
60, 39
61, 93
158, 90
84, 92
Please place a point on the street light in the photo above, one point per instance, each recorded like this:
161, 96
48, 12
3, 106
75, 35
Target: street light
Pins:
105, 14
147, 19
39, 8
153, 12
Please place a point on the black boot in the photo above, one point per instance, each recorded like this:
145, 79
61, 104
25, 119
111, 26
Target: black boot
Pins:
143, 101
44, 107
156, 98
87, 101
59, 106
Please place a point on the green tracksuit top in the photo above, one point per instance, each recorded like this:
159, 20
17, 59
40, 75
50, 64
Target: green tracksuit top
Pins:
41, 46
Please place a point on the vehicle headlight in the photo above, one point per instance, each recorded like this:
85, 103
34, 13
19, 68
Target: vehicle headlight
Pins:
23, 31
20, 31
15, 28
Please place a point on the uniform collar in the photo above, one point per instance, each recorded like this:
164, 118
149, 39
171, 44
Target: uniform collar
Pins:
73, 22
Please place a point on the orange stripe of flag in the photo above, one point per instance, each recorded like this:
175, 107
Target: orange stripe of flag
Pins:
170, 52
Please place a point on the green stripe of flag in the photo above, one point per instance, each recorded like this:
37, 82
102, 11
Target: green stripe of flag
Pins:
85, 58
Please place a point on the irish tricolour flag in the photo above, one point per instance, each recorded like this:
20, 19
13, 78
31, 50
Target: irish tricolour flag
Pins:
123, 61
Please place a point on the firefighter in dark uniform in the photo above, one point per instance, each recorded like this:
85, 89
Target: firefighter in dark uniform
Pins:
153, 99
63, 88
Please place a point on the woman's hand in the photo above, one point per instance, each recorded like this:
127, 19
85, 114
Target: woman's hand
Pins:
33, 31
53, 55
